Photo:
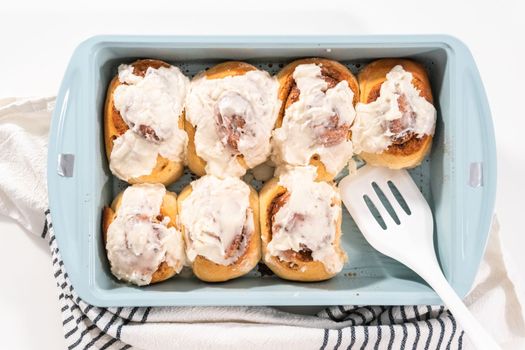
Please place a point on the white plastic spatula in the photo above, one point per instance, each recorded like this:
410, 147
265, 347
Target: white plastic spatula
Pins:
403, 230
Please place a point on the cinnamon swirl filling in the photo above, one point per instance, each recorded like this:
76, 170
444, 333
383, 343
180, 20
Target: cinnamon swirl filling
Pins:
302, 221
305, 253
217, 219
140, 239
317, 118
396, 118
233, 117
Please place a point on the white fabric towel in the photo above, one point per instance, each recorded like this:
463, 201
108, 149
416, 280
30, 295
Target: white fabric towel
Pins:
24, 126
23, 196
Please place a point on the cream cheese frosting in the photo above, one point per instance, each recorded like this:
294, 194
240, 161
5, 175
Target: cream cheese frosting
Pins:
151, 107
217, 219
307, 219
398, 110
234, 115
310, 122
137, 243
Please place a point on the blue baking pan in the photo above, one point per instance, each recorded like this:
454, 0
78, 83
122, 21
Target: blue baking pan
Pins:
458, 178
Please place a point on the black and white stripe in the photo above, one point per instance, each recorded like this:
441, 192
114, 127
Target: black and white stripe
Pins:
395, 327
84, 325
354, 327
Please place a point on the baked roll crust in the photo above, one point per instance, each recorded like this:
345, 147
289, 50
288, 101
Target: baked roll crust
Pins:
168, 209
165, 171
410, 150
334, 132
298, 265
210, 271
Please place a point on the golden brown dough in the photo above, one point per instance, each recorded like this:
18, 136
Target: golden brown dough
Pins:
227, 69
302, 267
210, 271
333, 72
168, 208
166, 171
411, 152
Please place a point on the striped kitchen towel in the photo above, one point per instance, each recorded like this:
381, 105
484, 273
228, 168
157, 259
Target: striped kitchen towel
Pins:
339, 327
23, 197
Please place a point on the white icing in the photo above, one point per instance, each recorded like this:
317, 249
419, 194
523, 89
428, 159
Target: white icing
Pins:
371, 131
307, 120
252, 96
214, 215
307, 219
136, 242
155, 101
132, 156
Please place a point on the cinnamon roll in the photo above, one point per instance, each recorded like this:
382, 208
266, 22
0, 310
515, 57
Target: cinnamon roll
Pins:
144, 122
395, 117
314, 121
220, 222
301, 226
230, 114
143, 243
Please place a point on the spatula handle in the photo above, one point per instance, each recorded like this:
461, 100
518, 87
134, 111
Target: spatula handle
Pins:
475, 331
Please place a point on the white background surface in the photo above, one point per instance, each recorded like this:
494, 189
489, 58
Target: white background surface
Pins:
37, 40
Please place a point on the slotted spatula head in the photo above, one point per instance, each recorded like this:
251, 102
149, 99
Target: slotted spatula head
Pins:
396, 220
391, 213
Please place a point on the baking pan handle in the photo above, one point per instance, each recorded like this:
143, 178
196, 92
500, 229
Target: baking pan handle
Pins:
477, 166
65, 140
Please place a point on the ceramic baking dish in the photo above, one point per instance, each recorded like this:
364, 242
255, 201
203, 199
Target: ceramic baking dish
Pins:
458, 178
